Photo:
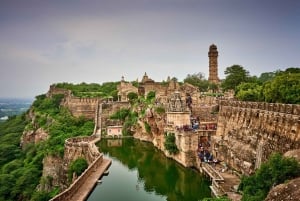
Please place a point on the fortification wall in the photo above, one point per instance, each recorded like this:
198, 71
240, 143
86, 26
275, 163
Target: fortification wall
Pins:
248, 132
54, 91
80, 147
78, 183
82, 106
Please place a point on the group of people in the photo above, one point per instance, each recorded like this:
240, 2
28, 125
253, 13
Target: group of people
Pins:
204, 154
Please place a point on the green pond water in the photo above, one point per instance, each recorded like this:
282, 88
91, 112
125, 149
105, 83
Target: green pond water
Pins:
140, 172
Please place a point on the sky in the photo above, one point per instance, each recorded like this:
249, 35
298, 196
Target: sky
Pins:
94, 41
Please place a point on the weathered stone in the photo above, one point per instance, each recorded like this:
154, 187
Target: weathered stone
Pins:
243, 128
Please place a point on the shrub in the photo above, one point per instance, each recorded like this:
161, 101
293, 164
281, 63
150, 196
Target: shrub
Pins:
77, 166
170, 143
147, 127
275, 171
160, 110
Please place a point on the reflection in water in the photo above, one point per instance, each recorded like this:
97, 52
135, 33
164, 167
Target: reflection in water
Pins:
141, 172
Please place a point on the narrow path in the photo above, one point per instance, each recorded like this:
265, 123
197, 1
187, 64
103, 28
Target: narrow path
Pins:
84, 191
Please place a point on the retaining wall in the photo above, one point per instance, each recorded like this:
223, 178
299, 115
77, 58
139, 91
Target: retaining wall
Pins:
249, 132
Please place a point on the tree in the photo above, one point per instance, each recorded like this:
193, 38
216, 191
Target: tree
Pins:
150, 96
132, 96
198, 80
170, 143
284, 88
248, 91
235, 75
78, 166
276, 170
264, 77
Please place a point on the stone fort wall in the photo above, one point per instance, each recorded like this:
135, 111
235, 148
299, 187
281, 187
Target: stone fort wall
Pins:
82, 106
249, 132
80, 147
78, 183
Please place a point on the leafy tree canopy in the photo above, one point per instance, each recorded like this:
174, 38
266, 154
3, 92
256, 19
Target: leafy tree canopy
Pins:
275, 171
249, 91
107, 89
284, 88
198, 80
235, 75
77, 166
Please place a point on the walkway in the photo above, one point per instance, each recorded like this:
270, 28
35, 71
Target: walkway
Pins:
85, 189
223, 183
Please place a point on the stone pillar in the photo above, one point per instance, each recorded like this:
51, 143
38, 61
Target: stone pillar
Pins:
213, 64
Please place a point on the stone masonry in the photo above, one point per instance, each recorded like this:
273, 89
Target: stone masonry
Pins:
213, 64
248, 132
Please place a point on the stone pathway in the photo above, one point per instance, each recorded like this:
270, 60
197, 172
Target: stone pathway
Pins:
84, 191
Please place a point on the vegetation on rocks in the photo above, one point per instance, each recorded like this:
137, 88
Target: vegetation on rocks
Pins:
276, 170
77, 167
106, 90
21, 168
170, 143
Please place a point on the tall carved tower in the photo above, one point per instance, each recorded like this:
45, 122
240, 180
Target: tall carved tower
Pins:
213, 64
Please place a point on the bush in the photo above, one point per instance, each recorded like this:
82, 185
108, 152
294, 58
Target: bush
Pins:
160, 110
120, 114
147, 127
150, 96
277, 170
170, 143
78, 166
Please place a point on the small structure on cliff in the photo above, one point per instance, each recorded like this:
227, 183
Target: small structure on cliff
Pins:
124, 88
178, 115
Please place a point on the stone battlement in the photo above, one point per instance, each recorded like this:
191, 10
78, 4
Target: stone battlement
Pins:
249, 132
80, 147
271, 107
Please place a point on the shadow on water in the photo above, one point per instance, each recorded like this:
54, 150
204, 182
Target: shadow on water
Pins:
141, 166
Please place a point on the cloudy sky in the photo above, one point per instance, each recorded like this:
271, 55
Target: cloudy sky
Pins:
95, 41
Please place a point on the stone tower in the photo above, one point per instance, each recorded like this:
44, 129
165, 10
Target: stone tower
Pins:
213, 64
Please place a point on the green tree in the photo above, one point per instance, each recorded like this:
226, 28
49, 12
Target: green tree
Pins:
276, 170
249, 91
284, 88
235, 75
132, 96
198, 80
264, 77
170, 143
77, 166
150, 96
120, 114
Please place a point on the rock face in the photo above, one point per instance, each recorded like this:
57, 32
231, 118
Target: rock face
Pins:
53, 174
248, 132
287, 191
33, 136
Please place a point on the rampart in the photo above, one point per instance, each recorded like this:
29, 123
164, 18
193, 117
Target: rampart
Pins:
78, 183
82, 106
248, 132
81, 147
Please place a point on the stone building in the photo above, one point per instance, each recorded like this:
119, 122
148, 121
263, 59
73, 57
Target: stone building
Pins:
213, 64
124, 88
114, 131
178, 114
